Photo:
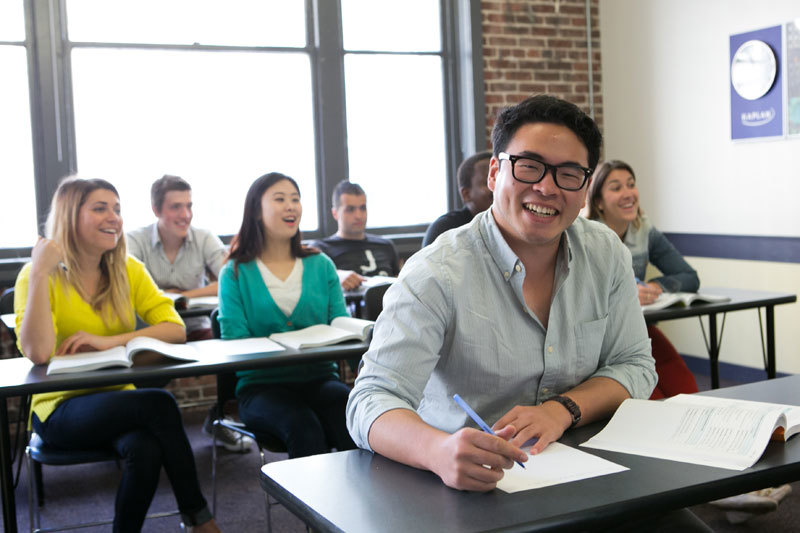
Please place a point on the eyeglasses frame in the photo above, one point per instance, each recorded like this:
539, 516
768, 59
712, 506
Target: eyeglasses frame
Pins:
553, 169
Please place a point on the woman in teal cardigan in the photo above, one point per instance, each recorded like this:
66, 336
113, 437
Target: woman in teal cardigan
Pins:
272, 283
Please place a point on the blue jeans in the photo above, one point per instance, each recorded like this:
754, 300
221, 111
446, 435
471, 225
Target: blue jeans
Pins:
309, 418
145, 427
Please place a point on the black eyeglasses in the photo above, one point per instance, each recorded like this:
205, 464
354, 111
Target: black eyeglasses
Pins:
529, 170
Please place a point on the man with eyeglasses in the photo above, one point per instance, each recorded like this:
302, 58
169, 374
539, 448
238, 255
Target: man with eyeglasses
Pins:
528, 312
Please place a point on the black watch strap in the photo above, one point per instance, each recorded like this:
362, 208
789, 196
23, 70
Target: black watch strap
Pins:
570, 406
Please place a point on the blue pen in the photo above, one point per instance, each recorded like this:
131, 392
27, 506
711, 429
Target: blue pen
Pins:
639, 282
474, 416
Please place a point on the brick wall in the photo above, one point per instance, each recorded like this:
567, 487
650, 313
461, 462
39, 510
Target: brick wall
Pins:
538, 46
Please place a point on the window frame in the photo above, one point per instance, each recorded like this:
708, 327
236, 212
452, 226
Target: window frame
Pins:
53, 124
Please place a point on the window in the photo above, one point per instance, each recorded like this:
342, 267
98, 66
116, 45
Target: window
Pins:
18, 211
395, 109
213, 117
223, 92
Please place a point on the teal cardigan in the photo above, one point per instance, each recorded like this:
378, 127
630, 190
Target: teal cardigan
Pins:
246, 309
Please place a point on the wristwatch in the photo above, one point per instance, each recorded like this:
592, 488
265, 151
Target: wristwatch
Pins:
570, 406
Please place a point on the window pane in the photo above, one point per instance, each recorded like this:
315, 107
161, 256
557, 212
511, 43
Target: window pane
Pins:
217, 119
233, 23
12, 21
407, 26
395, 136
18, 213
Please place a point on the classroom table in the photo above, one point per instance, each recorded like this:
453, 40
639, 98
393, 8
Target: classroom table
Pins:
377, 494
19, 377
739, 299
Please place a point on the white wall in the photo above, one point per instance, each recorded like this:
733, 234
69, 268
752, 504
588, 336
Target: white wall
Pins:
666, 101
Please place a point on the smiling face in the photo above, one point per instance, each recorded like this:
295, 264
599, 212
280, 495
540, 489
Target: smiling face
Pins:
619, 199
351, 216
99, 222
175, 215
281, 211
535, 215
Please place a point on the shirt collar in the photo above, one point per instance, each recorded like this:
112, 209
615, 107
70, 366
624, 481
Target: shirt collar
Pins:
504, 257
155, 238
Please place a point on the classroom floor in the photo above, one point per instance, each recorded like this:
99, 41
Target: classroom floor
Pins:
73, 493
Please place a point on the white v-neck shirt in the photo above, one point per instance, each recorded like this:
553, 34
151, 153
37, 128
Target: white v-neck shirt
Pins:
285, 293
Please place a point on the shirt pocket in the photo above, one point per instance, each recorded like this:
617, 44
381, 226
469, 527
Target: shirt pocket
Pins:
588, 343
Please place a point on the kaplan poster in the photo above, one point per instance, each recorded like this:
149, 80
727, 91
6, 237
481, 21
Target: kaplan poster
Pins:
756, 84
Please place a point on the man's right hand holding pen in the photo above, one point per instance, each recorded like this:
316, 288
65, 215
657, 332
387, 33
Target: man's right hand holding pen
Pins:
648, 292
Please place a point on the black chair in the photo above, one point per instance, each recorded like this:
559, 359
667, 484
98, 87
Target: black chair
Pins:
38, 453
226, 387
373, 301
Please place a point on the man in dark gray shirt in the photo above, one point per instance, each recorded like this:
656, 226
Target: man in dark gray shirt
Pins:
356, 253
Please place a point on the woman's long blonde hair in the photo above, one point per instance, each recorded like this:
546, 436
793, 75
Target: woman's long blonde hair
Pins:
112, 298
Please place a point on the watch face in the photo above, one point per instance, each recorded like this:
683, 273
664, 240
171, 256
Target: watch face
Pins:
753, 69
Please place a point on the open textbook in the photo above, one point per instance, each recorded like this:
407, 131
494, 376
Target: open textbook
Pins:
342, 328
182, 302
118, 356
669, 299
705, 430
125, 356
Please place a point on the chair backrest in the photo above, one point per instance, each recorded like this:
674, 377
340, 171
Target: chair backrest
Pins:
373, 301
226, 382
215, 329
7, 301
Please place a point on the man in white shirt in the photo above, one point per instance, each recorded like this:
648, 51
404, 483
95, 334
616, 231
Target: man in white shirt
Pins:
186, 260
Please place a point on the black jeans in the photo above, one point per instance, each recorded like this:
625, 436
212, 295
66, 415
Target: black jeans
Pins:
309, 418
145, 427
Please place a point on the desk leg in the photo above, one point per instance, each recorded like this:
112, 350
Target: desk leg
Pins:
771, 342
7, 472
713, 350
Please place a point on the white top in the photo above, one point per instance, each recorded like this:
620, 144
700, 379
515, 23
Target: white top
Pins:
284, 293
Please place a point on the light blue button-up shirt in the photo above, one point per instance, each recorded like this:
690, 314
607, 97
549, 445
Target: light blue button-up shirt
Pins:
456, 322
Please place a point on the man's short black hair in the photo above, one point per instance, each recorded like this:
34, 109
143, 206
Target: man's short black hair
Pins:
466, 170
545, 108
163, 185
345, 187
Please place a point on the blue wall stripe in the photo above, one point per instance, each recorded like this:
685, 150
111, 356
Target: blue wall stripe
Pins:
779, 249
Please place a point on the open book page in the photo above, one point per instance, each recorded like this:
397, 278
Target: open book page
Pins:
120, 356
668, 299
374, 281
729, 436
84, 362
9, 320
790, 412
221, 348
313, 336
203, 301
176, 351
557, 464
358, 326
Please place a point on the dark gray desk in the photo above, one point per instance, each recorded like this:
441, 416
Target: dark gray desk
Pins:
739, 299
356, 491
19, 377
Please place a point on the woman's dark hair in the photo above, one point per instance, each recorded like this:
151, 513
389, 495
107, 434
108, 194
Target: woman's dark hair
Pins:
248, 244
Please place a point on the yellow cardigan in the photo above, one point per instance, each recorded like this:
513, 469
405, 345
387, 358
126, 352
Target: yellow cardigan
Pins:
71, 314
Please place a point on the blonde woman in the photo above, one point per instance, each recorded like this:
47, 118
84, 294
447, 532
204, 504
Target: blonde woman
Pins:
81, 292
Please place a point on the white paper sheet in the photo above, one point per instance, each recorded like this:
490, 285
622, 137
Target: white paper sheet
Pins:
557, 464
